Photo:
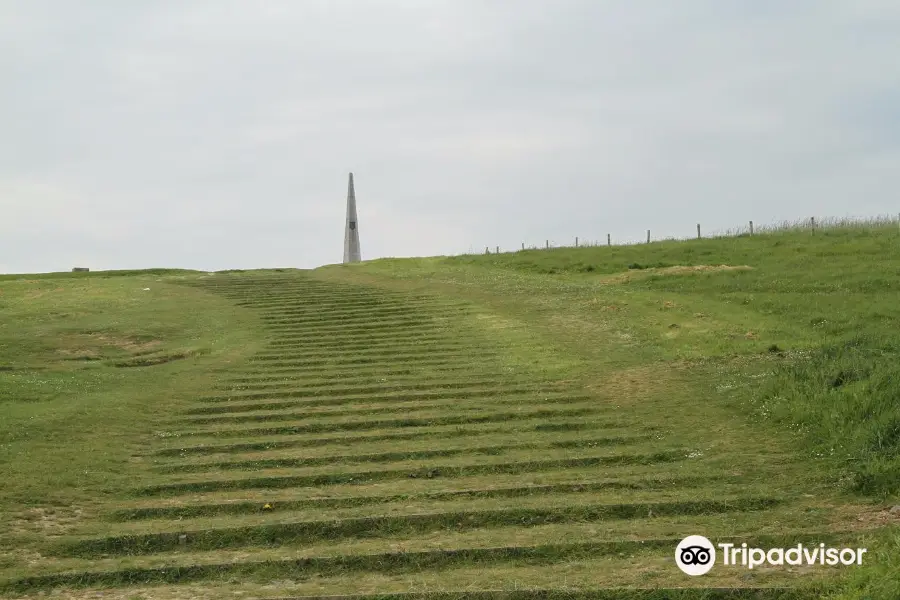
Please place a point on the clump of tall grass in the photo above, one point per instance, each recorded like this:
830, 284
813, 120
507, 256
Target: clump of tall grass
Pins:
842, 399
810, 224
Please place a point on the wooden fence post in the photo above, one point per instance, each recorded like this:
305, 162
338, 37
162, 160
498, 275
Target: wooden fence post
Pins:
648, 236
576, 241
751, 227
608, 242
548, 243
812, 224
698, 231
498, 249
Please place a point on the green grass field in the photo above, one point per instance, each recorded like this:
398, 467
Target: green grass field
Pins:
537, 424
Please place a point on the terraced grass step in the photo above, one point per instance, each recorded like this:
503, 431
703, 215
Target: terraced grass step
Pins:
335, 369
302, 350
448, 308
340, 334
377, 385
383, 350
352, 358
314, 292
324, 302
606, 453
321, 291
611, 593
439, 369
359, 317
310, 298
413, 487
435, 433
460, 560
333, 302
376, 393
348, 360
789, 518
381, 442
373, 341
386, 526
351, 341
399, 375
194, 510
334, 322
503, 533
354, 337
400, 402
341, 419
330, 408
389, 457
428, 472
315, 289
333, 291
304, 300
265, 289
362, 321
411, 328
400, 422
411, 332
338, 366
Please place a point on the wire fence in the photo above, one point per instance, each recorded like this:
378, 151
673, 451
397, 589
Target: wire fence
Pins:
811, 224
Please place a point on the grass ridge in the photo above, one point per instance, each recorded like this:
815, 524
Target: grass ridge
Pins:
390, 526
363, 477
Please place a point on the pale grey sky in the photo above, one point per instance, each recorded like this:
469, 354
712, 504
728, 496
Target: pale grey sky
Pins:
218, 134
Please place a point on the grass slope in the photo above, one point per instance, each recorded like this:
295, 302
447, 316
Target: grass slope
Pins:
539, 423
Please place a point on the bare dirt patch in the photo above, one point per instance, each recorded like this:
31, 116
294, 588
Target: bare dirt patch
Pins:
683, 270
91, 346
674, 270
184, 592
127, 344
49, 521
142, 360
635, 384
872, 518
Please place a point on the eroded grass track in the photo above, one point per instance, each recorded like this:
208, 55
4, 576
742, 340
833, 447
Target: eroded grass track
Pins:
378, 445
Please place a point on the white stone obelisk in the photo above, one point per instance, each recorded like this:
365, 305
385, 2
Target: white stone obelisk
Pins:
351, 229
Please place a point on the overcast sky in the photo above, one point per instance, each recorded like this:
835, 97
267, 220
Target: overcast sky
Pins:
216, 134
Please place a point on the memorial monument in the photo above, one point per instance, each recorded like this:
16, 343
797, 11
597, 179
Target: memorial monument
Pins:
351, 228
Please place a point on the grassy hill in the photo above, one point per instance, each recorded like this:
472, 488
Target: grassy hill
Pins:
533, 424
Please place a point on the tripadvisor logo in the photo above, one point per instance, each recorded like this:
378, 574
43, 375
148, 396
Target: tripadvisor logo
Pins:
696, 555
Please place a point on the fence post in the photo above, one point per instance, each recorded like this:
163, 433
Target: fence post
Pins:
576, 241
548, 243
812, 223
648, 236
498, 249
698, 231
751, 227
608, 242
